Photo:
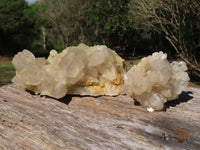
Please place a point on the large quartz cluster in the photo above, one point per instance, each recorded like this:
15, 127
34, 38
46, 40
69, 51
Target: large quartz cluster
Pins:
81, 70
98, 70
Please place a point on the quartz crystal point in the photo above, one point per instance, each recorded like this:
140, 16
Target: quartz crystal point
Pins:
98, 70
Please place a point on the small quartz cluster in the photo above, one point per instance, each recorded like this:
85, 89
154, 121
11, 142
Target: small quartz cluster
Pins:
98, 70
155, 81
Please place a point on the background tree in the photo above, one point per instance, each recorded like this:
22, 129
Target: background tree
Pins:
11, 22
111, 24
19, 27
91, 22
37, 26
177, 20
68, 17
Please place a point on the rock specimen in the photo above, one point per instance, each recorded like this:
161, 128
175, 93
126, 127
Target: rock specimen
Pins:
98, 70
81, 70
154, 81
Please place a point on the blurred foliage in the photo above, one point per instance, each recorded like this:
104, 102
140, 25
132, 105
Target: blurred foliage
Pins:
7, 72
112, 25
11, 24
177, 22
56, 24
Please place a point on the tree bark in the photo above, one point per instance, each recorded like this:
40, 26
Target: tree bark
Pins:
76, 122
64, 37
44, 38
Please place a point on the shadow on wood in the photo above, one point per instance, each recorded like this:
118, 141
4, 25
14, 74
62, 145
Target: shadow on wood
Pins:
182, 98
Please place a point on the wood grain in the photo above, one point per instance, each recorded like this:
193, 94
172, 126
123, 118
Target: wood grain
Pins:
32, 122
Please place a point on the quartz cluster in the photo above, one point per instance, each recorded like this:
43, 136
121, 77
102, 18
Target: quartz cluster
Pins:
81, 70
98, 70
155, 81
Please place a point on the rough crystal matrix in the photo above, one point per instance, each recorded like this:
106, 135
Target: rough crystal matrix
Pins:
155, 81
98, 70
77, 70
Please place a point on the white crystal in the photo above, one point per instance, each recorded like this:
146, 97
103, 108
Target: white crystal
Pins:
81, 70
154, 81
150, 109
98, 70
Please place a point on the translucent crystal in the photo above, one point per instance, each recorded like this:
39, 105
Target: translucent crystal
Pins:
154, 80
81, 70
98, 70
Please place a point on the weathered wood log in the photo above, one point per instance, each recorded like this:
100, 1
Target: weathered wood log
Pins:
33, 122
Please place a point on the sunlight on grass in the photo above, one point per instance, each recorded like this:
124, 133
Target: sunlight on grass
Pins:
7, 72
6, 66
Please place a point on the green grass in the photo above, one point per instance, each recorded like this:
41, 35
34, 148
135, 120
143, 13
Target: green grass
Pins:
7, 72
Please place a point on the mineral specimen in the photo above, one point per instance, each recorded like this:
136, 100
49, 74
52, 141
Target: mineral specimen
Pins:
97, 71
79, 70
155, 81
